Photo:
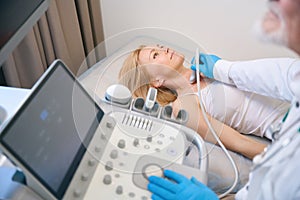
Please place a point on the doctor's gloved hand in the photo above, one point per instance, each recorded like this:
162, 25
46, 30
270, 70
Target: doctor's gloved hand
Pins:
206, 63
179, 188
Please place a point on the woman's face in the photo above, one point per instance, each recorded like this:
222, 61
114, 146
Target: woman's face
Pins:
161, 63
162, 56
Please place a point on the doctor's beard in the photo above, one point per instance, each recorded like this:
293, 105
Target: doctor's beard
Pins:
278, 36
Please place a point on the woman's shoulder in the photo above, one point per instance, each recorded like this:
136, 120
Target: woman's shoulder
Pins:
187, 102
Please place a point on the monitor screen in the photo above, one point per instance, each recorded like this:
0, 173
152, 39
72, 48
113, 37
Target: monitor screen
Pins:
49, 133
17, 18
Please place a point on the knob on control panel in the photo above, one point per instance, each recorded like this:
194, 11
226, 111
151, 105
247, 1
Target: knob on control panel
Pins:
121, 144
136, 142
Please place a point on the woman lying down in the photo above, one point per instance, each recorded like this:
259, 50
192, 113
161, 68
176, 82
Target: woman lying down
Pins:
230, 111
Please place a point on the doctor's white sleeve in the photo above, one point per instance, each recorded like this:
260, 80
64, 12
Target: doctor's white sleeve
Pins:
275, 77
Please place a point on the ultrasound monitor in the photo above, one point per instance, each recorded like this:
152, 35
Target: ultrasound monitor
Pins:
17, 17
49, 133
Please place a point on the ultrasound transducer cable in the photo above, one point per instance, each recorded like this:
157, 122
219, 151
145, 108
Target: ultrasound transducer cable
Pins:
197, 59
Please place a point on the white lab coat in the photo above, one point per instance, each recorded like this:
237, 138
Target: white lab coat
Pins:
276, 172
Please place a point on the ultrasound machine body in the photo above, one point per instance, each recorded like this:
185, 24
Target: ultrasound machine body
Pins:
72, 146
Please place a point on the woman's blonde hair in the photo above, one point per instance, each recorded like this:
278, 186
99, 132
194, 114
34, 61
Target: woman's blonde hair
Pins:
136, 78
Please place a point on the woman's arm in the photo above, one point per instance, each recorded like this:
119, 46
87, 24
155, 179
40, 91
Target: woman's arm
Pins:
231, 139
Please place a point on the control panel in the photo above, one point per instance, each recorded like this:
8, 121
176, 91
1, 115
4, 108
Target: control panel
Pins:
125, 151
134, 137
132, 143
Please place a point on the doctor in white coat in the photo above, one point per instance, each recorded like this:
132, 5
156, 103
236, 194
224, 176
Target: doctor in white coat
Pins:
276, 172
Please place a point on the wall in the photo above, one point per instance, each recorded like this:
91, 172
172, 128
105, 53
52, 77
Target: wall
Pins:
222, 27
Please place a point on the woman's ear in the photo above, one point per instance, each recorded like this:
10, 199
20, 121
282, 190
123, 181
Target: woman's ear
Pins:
158, 83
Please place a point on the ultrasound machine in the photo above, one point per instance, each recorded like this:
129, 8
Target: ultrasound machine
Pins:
68, 145
71, 146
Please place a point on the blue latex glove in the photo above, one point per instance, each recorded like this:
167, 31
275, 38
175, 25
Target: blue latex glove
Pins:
178, 188
207, 63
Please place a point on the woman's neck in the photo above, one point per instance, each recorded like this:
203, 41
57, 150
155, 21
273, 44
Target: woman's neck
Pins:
182, 83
